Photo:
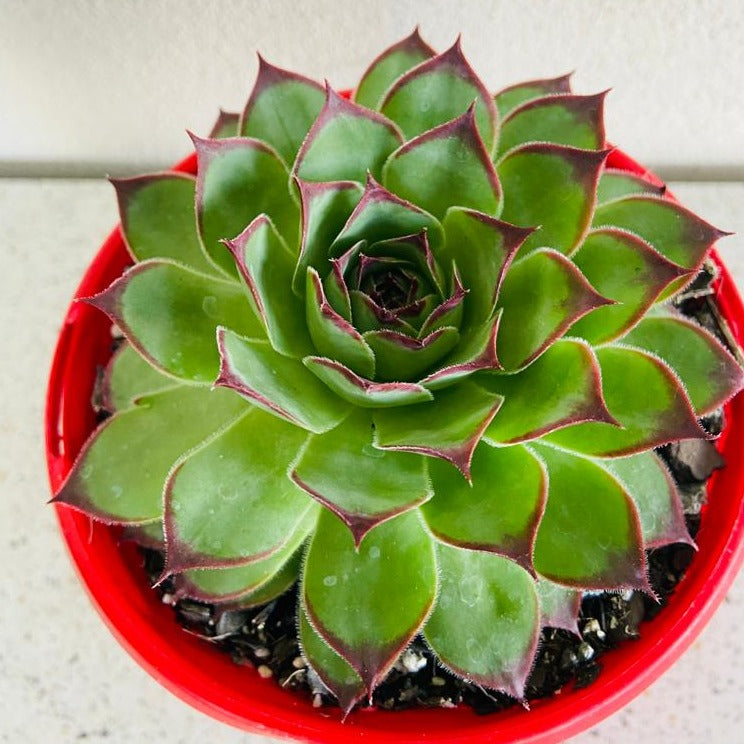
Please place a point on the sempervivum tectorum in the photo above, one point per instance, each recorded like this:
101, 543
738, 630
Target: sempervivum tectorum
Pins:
413, 349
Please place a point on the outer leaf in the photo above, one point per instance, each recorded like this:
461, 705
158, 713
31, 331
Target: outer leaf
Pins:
281, 109
542, 296
381, 215
362, 392
611, 550
559, 606
499, 512
346, 142
645, 397
247, 583
655, 494
515, 95
276, 383
267, 266
217, 508
552, 186
449, 428
482, 248
169, 313
572, 120
444, 167
624, 268
332, 335
389, 66
390, 580
614, 184
325, 209
560, 388
400, 357
673, 230
227, 125
334, 671
437, 91
238, 179
128, 377
158, 219
486, 622
360, 484
709, 373
108, 482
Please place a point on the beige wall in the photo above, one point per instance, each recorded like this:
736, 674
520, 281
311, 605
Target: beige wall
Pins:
110, 85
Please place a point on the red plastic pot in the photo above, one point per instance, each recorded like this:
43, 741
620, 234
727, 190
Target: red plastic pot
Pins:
209, 680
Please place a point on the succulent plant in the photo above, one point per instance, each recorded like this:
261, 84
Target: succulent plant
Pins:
414, 349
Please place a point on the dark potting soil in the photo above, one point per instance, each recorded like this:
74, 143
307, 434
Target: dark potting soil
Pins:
266, 637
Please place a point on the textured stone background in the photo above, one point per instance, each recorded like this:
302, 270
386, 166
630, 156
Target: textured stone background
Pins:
88, 86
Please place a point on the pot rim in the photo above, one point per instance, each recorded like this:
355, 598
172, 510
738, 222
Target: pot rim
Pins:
212, 683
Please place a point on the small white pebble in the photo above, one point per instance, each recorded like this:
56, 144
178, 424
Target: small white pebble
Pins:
438, 682
317, 700
262, 653
298, 662
264, 671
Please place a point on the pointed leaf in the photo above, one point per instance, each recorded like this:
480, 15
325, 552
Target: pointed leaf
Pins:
542, 296
499, 512
278, 384
369, 316
552, 186
615, 184
266, 266
390, 581
515, 95
108, 482
389, 66
129, 376
673, 230
226, 125
400, 357
170, 313
482, 248
588, 507
655, 494
475, 352
413, 248
381, 215
559, 606
362, 485
158, 218
644, 396
449, 427
334, 671
218, 499
238, 179
445, 167
708, 371
486, 622
333, 335
249, 582
572, 120
325, 209
437, 91
362, 392
448, 313
346, 142
624, 268
281, 109
560, 388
